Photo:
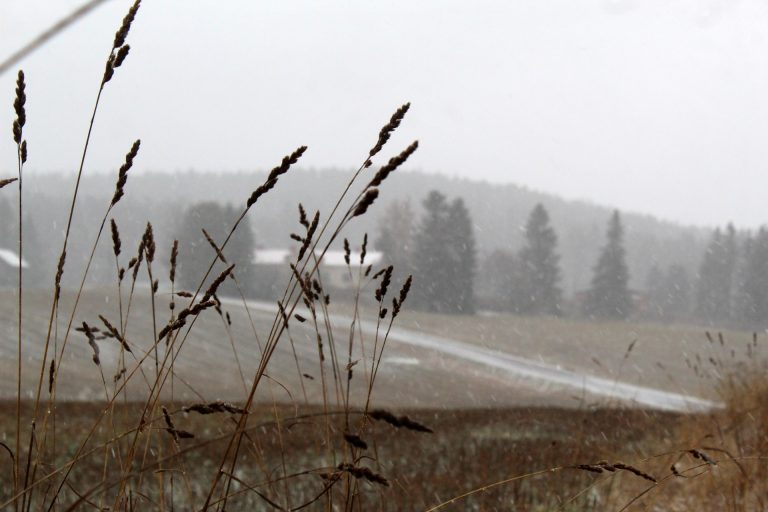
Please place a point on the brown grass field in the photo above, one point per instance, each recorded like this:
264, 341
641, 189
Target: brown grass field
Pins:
672, 357
222, 405
468, 449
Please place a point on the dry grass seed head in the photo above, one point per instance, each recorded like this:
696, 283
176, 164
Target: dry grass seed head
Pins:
125, 27
394, 163
149, 243
214, 407
60, 273
635, 471
122, 173
698, 454
364, 473
171, 429
591, 468
387, 129
122, 53
381, 291
174, 257
86, 329
397, 303
119, 374
51, 375
365, 202
398, 421
120, 50
347, 251
378, 274
7, 181
364, 248
306, 287
199, 308
139, 258
307, 240
217, 282
114, 333
303, 216
116, 243
18, 107
355, 440
181, 321
215, 247
274, 174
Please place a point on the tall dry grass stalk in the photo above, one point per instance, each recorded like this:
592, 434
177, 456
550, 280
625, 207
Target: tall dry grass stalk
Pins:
137, 463
19, 104
116, 58
139, 448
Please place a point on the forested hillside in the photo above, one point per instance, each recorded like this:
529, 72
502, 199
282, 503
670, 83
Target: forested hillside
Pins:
499, 213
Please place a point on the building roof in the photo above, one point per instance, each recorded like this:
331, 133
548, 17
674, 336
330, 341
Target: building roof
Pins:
270, 256
331, 258
11, 259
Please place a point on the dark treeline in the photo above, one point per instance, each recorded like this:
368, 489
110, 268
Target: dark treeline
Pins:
547, 254
499, 213
729, 286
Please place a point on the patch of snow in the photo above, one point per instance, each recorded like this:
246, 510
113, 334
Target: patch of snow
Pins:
408, 361
12, 259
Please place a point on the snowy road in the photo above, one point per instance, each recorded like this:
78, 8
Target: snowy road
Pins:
545, 375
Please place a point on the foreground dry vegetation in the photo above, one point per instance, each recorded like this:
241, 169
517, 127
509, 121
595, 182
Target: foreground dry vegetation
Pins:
468, 449
504, 459
153, 451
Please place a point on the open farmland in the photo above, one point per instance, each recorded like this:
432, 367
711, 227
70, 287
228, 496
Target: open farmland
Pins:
418, 368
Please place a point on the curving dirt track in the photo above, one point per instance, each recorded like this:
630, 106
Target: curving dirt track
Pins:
218, 361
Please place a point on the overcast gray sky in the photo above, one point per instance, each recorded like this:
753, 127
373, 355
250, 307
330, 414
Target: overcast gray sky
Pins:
655, 106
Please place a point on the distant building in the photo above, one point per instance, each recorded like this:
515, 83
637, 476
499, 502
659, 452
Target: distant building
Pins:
9, 267
272, 270
336, 273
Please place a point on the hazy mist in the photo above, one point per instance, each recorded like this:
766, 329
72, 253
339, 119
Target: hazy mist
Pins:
657, 107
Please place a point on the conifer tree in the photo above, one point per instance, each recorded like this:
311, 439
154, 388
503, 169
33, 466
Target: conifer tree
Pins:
609, 295
444, 257
461, 250
753, 286
429, 263
716, 275
536, 288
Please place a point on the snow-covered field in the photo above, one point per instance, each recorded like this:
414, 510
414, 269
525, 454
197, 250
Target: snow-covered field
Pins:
428, 361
